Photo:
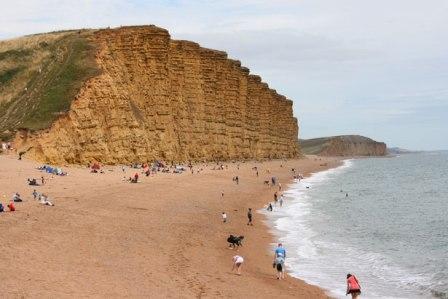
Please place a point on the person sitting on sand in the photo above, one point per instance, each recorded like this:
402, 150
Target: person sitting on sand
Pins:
32, 182
43, 199
16, 197
2, 208
11, 207
353, 286
237, 263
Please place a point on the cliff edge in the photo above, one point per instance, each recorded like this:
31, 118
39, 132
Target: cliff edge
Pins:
158, 98
348, 145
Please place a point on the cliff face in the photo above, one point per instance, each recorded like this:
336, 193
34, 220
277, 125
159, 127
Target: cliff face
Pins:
158, 98
350, 145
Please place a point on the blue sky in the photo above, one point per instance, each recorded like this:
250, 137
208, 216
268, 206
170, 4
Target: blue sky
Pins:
376, 68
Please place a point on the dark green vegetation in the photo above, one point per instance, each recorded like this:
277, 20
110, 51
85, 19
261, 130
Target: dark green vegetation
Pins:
50, 87
314, 146
7, 75
15, 54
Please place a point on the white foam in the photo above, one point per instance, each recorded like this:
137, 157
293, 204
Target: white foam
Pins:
312, 258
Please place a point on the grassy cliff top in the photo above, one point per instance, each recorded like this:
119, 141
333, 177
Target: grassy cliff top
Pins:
40, 76
316, 146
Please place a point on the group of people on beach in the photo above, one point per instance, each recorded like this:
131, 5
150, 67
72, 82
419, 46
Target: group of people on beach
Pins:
11, 206
279, 252
353, 285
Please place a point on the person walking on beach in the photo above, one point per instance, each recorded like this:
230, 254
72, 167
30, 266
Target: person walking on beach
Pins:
224, 217
237, 263
281, 200
353, 286
270, 207
275, 198
249, 217
279, 261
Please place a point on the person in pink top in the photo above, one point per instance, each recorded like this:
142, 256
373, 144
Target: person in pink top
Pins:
353, 286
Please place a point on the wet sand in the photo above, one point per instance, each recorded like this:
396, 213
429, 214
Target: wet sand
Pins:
160, 238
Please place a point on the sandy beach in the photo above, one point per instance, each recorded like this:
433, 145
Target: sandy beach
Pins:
160, 238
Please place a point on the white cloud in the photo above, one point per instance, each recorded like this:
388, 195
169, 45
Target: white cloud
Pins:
379, 59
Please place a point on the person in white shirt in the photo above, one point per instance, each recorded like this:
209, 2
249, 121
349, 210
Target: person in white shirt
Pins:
237, 263
224, 217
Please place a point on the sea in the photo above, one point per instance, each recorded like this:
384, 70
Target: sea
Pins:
385, 220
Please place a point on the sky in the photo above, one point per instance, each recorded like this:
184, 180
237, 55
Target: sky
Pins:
377, 68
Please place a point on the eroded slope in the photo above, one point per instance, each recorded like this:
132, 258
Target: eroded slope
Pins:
39, 77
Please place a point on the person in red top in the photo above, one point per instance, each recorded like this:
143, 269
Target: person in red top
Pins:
353, 286
11, 207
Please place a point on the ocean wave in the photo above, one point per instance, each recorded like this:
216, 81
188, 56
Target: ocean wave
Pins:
324, 261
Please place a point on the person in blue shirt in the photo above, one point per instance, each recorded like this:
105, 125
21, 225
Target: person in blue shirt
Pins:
280, 251
279, 261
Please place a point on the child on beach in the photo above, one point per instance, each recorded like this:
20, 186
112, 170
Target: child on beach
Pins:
237, 263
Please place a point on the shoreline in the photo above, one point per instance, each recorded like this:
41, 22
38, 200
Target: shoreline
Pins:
107, 238
281, 234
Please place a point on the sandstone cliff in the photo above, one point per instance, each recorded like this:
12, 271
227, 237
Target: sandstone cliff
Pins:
158, 98
350, 145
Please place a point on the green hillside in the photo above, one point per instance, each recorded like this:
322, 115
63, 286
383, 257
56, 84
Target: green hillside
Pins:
39, 77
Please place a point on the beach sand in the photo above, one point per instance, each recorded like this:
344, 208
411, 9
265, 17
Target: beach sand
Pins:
160, 238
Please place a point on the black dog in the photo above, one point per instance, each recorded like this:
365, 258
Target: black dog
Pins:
235, 241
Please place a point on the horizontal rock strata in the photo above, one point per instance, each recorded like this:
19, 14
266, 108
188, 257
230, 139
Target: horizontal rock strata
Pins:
158, 98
